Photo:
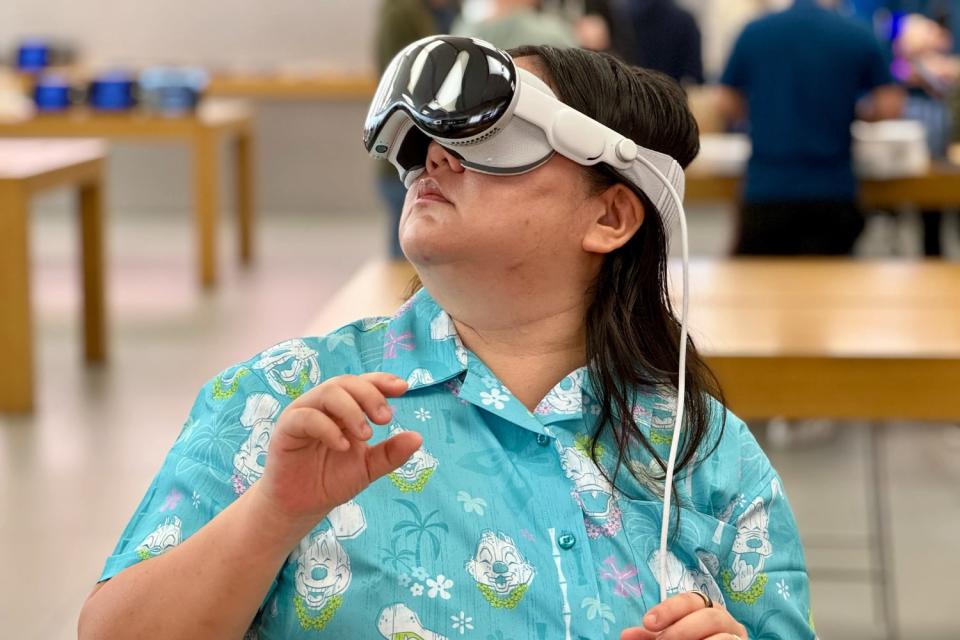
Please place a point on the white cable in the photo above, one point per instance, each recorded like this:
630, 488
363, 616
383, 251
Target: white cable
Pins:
681, 377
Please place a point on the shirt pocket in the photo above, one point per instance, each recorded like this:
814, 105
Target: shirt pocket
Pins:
694, 555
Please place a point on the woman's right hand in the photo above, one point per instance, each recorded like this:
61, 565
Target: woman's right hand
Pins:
319, 457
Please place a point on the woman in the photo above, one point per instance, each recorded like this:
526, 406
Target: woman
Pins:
525, 401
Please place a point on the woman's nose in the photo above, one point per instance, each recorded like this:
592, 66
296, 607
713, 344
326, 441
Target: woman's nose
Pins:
437, 156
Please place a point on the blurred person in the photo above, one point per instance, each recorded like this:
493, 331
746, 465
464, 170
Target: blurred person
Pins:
801, 77
666, 38
926, 66
606, 26
513, 23
532, 386
722, 21
400, 22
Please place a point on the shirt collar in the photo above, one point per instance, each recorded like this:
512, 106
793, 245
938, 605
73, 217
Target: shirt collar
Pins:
421, 344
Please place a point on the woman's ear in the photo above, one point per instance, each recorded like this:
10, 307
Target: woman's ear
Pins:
619, 214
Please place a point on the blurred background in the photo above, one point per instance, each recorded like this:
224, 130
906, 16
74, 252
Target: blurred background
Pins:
225, 200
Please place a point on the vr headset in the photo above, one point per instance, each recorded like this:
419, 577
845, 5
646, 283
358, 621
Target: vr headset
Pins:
499, 119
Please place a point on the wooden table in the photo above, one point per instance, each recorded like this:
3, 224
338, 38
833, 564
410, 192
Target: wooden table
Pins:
795, 338
26, 167
293, 85
202, 131
938, 189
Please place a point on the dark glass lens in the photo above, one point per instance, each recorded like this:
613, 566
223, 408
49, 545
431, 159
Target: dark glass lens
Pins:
413, 149
452, 87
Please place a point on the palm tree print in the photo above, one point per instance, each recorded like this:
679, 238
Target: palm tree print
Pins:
421, 527
596, 608
399, 559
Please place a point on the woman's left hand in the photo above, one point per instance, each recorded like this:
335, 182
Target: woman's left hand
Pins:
686, 617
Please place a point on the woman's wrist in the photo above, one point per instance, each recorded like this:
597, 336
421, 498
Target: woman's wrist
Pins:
274, 528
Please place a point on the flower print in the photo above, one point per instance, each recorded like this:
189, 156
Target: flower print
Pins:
416, 590
336, 339
596, 608
453, 386
195, 500
462, 622
392, 342
422, 414
404, 580
783, 589
470, 504
624, 579
420, 573
239, 486
172, 500
495, 397
490, 382
439, 587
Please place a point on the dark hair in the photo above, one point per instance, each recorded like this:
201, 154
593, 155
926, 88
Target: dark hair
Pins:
633, 336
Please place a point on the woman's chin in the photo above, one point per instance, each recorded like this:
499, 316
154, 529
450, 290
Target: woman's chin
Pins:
429, 248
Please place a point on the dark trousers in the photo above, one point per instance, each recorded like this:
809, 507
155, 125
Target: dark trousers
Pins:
931, 233
822, 228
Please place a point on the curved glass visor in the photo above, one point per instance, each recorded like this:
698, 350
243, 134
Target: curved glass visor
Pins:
454, 88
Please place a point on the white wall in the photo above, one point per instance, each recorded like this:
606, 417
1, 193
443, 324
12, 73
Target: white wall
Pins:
309, 156
204, 31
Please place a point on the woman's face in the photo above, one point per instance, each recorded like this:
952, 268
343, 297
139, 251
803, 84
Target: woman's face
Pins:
454, 215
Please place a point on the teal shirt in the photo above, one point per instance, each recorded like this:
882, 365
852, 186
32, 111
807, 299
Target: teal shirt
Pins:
500, 527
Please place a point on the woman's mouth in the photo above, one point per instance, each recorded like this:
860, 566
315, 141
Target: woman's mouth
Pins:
429, 190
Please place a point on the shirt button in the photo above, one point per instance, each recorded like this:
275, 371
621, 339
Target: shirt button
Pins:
543, 439
566, 540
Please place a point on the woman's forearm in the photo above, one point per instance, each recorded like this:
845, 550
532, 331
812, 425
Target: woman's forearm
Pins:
210, 586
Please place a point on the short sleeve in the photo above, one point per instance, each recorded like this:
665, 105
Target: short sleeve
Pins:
764, 577
736, 73
876, 66
219, 453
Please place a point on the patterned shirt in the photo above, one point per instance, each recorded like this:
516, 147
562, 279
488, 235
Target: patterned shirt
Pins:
501, 526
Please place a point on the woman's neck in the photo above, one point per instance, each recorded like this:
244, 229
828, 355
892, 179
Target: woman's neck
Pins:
529, 344
531, 357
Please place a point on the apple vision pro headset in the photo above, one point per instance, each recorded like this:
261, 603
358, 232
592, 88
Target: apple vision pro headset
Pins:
499, 119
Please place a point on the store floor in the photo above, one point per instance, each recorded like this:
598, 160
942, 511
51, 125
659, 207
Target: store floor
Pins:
72, 473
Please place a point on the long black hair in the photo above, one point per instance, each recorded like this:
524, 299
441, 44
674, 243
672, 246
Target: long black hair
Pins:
633, 335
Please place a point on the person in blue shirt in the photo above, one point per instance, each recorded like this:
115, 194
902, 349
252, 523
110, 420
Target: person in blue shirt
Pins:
489, 461
801, 77
665, 37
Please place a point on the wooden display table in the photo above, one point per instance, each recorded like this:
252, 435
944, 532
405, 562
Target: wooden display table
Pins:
27, 167
938, 189
201, 131
279, 85
796, 338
